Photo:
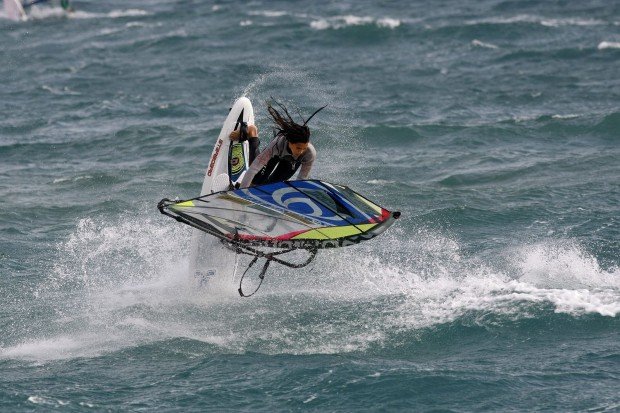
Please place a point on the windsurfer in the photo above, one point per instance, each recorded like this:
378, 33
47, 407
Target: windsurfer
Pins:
289, 151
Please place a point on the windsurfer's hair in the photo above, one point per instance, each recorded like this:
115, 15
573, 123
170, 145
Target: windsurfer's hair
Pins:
287, 127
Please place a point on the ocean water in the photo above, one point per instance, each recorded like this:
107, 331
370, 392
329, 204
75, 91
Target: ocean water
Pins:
493, 126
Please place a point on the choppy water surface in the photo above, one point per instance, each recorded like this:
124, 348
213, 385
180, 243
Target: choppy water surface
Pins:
492, 126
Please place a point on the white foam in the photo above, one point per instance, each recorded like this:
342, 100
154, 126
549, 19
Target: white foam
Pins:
526, 118
309, 399
320, 24
339, 22
351, 20
71, 179
561, 265
268, 13
361, 303
60, 347
114, 14
568, 116
571, 22
127, 13
136, 24
41, 13
608, 45
544, 21
63, 91
108, 30
483, 44
47, 401
388, 22
380, 182
122, 283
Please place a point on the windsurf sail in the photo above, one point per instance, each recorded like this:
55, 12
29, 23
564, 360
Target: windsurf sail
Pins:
306, 214
289, 215
14, 10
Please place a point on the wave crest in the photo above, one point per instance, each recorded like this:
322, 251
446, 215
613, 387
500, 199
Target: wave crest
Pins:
339, 22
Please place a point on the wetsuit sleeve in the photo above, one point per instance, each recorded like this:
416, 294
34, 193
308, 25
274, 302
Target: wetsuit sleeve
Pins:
306, 163
257, 164
253, 144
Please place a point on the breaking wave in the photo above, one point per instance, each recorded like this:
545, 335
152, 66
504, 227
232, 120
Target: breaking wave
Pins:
125, 284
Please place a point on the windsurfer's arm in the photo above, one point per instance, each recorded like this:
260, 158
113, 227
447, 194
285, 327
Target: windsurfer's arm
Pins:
261, 160
304, 171
252, 133
253, 143
306, 164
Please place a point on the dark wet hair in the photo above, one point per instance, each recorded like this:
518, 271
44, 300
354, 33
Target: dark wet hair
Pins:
287, 127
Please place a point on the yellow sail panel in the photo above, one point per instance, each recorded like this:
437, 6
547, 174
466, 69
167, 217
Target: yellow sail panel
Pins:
334, 232
184, 204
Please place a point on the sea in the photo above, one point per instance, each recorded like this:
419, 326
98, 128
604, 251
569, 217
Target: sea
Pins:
493, 126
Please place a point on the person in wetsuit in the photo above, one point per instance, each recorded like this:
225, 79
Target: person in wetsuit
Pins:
289, 151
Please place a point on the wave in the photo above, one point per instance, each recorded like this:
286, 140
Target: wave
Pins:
566, 53
478, 43
608, 45
114, 14
608, 125
46, 12
65, 91
269, 13
543, 21
501, 28
331, 22
340, 22
122, 284
604, 125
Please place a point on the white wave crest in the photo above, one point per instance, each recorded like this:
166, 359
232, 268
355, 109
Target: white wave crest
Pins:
608, 45
380, 182
114, 14
47, 401
389, 23
568, 116
543, 21
268, 13
41, 13
478, 43
123, 284
339, 22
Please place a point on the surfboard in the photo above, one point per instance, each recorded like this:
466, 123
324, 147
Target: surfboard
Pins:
209, 258
14, 10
